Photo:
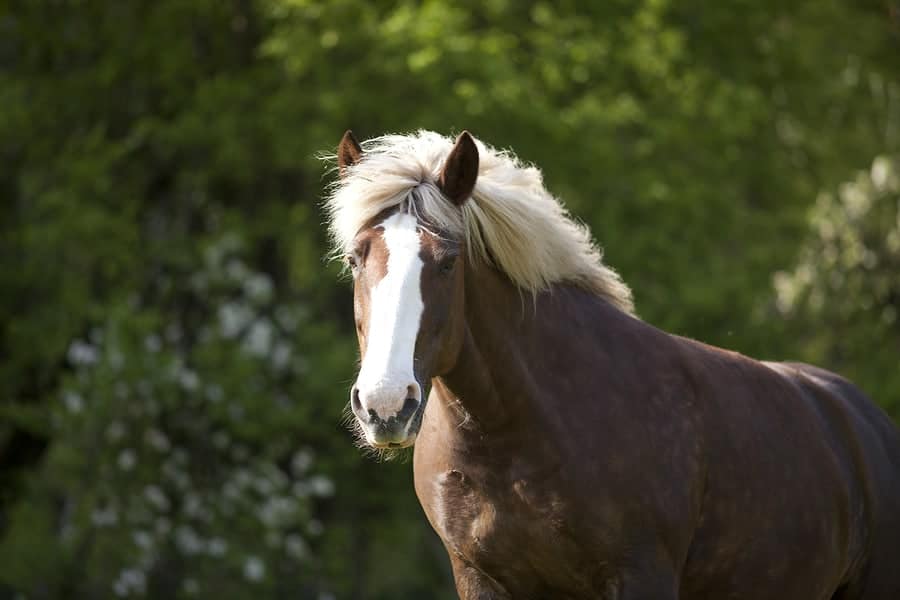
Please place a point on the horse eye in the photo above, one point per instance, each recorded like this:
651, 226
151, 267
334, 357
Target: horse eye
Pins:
447, 265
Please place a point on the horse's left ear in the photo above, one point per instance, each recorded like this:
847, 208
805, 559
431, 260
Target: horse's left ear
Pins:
460, 170
349, 152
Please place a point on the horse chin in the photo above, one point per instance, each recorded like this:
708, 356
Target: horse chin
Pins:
395, 445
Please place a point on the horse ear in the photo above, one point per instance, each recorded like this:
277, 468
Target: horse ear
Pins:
457, 180
349, 152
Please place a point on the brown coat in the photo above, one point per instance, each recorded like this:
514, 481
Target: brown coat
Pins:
577, 452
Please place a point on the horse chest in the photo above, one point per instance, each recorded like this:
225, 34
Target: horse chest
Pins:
513, 527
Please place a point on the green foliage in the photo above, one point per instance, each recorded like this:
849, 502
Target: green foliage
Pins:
843, 296
181, 452
176, 352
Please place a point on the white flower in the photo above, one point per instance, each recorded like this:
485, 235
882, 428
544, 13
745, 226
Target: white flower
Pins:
152, 343
82, 353
258, 341
321, 485
156, 497
157, 440
127, 459
236, 270
73, 401
296, 547
263, 485
882, 173
192, 506
233, 318
276, 511
188, 379
286, 318
259, 287
104, 517
301, 461
142, 539
254, 568
281, 355
214, 393
188, 541
130, 580
216, 547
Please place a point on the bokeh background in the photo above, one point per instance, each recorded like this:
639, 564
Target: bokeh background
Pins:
175, 352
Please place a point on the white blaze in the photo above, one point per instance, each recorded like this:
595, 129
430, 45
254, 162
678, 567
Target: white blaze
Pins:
395, 312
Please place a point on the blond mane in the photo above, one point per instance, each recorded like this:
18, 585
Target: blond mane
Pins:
511, 221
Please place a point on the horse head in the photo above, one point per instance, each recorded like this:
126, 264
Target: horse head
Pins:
408, 278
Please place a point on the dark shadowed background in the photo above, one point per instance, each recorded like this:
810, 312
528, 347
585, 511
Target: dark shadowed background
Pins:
175, 353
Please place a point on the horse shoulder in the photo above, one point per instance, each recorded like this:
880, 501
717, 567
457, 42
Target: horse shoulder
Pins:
510, 518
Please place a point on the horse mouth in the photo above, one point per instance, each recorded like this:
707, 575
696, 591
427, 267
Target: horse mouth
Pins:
395, 444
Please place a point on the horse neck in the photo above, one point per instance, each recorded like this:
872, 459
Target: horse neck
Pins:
509, 336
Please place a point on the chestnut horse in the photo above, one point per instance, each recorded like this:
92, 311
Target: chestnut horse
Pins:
567, 449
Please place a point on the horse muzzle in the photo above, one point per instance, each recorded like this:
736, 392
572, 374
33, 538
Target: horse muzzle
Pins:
399, 430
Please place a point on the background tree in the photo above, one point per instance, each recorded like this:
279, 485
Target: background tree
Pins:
843, 296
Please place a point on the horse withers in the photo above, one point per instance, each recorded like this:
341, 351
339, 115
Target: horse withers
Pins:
567, 449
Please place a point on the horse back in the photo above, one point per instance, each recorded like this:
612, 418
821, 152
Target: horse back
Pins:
803, 455
867, 443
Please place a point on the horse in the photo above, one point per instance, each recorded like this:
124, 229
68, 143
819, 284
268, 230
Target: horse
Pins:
566, 448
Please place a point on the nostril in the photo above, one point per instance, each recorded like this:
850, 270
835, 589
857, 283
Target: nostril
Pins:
355, 403
412, 391
409, 407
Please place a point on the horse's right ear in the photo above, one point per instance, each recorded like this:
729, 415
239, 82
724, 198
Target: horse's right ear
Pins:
349, 152
460, 170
